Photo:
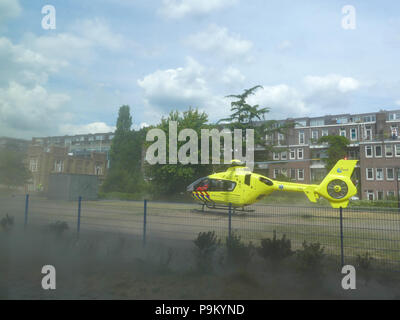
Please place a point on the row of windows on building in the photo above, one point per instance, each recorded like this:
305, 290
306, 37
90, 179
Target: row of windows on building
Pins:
379, 174
352, 134
377, 150
290, 173
292, 154
380, 195
59, 167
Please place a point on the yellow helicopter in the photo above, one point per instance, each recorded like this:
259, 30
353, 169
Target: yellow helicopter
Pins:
238, 186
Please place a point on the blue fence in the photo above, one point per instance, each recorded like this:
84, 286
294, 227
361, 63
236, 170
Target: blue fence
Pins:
344, 233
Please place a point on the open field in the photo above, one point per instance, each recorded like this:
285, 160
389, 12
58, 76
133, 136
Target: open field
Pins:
374, 230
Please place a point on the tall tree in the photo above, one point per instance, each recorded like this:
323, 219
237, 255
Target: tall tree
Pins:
13, 171
245, 116
125, 156
337, 149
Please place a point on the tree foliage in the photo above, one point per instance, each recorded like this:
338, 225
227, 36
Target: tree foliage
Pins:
337, 149
125, 156
13, 171
168, 179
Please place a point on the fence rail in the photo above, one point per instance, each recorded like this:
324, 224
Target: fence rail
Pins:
344, 233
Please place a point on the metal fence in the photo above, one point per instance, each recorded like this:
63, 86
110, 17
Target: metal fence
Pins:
344, 233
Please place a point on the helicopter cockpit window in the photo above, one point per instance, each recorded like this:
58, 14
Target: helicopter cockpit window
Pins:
199, 183
221, 185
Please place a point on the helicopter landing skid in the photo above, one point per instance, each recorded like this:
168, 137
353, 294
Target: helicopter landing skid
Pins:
221, 208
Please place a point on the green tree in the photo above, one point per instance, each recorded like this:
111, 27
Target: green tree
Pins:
337, 149
245, 116
169, 179
125, 156
13, 171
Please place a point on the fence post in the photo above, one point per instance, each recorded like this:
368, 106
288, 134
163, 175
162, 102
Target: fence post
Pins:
144, 222
26, 210
79, 214
230, 222
341, 237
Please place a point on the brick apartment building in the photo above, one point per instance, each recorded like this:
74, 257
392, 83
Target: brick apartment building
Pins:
374, 141
80, 154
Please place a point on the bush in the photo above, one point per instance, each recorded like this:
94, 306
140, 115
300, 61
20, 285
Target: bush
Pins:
206, 244
363, 263
238, 253
275, 249
310, 258
7, 223
57, 227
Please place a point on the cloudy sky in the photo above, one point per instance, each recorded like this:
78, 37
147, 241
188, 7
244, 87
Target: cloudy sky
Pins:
162, 55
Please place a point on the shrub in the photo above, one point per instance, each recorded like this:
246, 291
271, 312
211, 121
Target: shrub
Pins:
310, 258
57, 227
206, 244
238, 253
7, 223
275, 249
363, 263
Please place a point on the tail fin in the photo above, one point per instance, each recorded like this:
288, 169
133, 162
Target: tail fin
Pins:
337, 186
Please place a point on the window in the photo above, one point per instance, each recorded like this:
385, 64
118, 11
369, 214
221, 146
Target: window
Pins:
343, 132
353, 134
281, 137
293, 153
380, 195
99, 138
370, 195
110, 137
33, 165
325, 132
276, 173
368, 151
370, 118
341, 120
390, 195
284, 155
216, 185
301, 137
314, 134
392, 116
300, 153
317, 122
293, 174
389, 173
393, 132
389, 150
58, 166
379, 174
301, 123
370, 174
378, 151
247, 179
397, 148
276, 155
284, 172
91, 138
98, 170
300, 174
368, 133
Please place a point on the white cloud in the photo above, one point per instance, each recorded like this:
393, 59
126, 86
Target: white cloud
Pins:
218, 40
284, 101
176, 9
94, 127
175, 88
332, 82
232, 76
26, 109
9, 9
285, 45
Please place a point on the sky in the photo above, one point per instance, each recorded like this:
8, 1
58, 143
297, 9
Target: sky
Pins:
162, 55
